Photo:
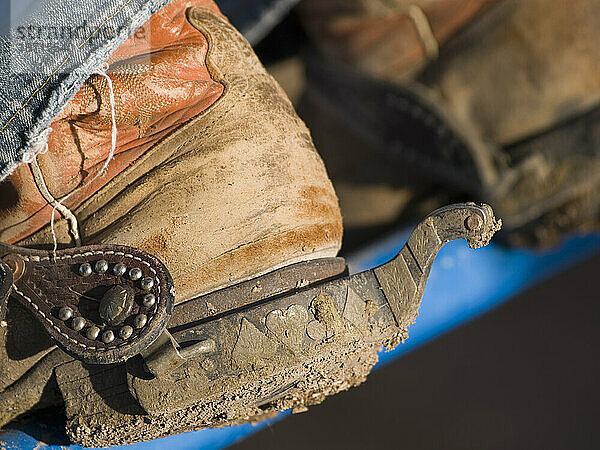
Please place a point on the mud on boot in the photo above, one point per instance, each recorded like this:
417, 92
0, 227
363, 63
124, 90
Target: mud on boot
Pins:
283, 340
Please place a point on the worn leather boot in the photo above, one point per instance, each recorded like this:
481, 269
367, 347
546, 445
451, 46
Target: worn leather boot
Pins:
213, 172
207, 145
389, 39
494, 100
195, 283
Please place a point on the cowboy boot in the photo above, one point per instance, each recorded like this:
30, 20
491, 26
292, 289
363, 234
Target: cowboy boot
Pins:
388, 39
495, 100
213, 172
206, 292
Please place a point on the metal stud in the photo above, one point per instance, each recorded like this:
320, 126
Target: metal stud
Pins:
135, 274
78, 323
65, 313
473, 222
92, 333
101, 266
147, 284
140, 320
125, 332
85, 270
108, 336
119, 269
149, 300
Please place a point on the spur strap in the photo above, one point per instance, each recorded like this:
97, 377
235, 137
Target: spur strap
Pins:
101, 304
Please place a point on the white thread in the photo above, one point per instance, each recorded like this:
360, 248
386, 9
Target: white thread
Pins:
113, 140
38, 178
41, 144
27, 157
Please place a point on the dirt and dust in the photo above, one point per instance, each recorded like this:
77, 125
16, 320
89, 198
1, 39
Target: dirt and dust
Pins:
260, 391
310, 383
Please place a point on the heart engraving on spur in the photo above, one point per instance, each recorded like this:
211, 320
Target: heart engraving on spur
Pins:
289, 326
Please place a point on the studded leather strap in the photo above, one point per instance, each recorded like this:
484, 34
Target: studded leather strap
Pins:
101, 304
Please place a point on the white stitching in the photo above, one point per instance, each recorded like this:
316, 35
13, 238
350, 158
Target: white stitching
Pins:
3, 322
98, 253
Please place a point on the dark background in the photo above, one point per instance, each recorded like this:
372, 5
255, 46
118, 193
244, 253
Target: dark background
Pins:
524, 376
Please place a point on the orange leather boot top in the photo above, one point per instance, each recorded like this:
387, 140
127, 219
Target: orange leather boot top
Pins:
160, 81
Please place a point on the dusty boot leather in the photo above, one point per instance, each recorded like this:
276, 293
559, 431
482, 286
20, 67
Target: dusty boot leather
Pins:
242, 169
505, 112
213, 173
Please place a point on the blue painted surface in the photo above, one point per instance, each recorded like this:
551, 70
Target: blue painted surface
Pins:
463, 284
